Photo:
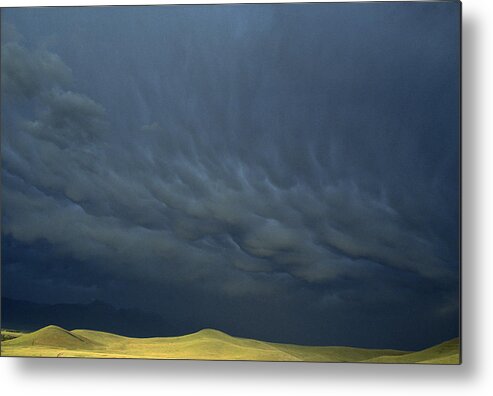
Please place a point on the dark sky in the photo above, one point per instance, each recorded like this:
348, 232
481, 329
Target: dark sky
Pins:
282, 172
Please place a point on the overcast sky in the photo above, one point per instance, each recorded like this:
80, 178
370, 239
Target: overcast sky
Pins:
282, 172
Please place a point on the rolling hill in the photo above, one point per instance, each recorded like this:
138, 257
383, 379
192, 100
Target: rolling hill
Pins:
207, 344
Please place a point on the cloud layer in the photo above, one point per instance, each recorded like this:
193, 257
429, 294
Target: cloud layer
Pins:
248, 162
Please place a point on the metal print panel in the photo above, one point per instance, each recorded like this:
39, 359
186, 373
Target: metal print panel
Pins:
274, 182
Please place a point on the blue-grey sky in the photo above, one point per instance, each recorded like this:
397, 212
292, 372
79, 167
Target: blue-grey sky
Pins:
282, 172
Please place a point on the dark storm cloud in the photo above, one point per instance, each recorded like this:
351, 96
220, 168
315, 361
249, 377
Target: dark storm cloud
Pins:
232, 151
27, 73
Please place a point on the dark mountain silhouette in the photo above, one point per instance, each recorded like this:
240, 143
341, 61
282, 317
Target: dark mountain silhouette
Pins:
97, 315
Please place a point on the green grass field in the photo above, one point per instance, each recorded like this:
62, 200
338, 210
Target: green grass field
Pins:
53, 341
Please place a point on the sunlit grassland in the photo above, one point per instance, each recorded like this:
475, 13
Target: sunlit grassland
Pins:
208, 344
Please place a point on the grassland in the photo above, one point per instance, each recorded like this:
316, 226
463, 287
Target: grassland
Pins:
53, 341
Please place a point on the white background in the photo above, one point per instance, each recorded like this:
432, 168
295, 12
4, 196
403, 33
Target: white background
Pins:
118, 377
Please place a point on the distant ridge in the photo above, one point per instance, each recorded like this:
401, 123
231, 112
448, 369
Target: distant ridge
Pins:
207, 344
30, 316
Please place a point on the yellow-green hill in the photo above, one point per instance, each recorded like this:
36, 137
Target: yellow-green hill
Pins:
206, 344
53, 337
445, 353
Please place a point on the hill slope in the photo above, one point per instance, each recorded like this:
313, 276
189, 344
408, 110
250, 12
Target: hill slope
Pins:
445, 353
208, 344
53, 337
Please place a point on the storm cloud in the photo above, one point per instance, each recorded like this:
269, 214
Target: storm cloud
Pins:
187, 159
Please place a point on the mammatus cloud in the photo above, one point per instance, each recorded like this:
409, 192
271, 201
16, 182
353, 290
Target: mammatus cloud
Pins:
165, 203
